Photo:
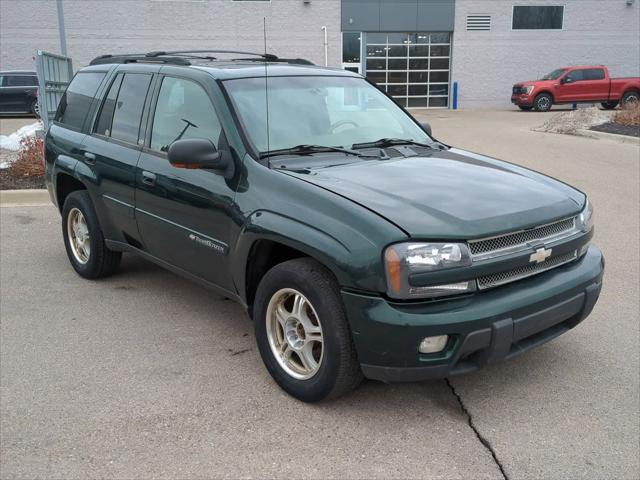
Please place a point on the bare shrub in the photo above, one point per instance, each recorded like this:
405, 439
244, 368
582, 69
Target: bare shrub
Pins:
629, 116
30, 159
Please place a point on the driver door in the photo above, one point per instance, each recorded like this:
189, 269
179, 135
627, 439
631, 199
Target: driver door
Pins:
571, 88
183, 215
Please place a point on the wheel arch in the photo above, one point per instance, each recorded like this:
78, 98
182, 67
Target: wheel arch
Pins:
269, 239
64, 185
547, 92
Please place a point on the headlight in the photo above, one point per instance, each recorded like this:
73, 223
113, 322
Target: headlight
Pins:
404, 259
528, 89
585, 219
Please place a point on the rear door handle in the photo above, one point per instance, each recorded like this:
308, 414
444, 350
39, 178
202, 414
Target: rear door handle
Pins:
148, 178
89, 157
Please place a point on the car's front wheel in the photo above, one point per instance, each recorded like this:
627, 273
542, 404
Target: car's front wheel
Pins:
543, 102
83, 239
302, 331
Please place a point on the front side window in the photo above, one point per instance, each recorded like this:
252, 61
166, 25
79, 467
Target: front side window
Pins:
184, 110
330, 111
537, 17
576, 75
76, 101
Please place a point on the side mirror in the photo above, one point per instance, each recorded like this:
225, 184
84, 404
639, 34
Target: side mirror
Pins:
427, 128
196, 153
566, 79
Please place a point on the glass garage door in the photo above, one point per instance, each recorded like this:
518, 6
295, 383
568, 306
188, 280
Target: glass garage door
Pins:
411, 67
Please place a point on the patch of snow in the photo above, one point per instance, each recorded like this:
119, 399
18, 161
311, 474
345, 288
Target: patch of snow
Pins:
12, 141
572, 121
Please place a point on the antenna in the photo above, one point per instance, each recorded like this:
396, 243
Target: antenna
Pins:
266, 76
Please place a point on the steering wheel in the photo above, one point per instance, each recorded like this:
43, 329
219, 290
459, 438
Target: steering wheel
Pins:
341, 123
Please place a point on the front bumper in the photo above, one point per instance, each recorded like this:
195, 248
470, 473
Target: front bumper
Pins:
483, 328
522, 99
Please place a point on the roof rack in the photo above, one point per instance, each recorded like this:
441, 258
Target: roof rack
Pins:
184, 57
264, 56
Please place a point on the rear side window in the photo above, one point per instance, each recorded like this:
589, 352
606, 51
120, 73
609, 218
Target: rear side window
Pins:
122, 108
128, 112
184, 110
76, 101
20, 81
593, 74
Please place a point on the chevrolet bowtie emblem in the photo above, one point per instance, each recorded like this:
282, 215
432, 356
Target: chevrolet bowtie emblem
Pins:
540, 255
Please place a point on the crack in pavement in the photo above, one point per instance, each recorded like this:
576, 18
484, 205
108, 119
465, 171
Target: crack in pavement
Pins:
480, 437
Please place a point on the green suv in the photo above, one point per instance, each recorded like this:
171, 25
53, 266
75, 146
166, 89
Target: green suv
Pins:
359, 244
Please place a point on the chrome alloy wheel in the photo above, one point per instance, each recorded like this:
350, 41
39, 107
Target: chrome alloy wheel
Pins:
78, 233
294, 333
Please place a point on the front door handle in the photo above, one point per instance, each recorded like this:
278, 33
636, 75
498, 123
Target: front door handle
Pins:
148, 178
89, 157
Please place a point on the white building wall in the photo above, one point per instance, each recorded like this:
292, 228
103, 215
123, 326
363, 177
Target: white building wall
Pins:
96, 27
487, 63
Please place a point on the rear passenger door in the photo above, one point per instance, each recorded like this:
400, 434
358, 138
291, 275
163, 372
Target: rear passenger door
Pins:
184, 216
112, 149
596, 86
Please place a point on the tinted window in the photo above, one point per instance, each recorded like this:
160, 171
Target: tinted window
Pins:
20, 81
183, 111
594, 74
103, 127
350, 47
128, 107
537, 17
576, 75
76, 101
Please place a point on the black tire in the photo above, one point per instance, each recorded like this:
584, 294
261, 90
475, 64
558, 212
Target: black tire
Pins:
609, 105
630, 98
339, 369
101, 261
543, 102
524, 107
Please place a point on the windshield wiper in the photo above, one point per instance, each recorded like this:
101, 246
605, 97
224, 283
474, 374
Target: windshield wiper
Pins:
389, 142
310, 149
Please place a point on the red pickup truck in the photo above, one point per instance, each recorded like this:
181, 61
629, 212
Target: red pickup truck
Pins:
582, 84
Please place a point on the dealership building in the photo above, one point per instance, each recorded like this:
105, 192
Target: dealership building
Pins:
414, 49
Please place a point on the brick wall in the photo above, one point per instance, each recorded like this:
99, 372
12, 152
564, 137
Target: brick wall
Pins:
107, 26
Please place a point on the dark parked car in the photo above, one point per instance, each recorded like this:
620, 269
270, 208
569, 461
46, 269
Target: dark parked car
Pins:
359, 245
18, 92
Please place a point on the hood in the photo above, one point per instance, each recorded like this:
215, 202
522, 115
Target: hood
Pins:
450, 194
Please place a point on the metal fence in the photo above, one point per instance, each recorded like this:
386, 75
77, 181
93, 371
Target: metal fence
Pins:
54, 74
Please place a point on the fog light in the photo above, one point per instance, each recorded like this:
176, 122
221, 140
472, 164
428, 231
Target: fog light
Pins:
433, 344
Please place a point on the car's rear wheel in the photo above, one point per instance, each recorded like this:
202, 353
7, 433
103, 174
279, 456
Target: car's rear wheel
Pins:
83, 239
302, 331
525, 108
609, 105
630, 99
35, 109
543, 102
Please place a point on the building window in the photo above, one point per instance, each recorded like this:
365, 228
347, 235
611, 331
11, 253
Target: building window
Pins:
537, 17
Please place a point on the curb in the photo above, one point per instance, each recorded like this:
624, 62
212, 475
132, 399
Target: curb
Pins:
609, 136
15, 198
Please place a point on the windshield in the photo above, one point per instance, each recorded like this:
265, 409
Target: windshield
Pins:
554, 75
330, 111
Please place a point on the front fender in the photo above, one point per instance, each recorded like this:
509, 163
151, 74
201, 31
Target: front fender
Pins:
353, 259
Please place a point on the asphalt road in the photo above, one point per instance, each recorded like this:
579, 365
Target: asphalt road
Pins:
147, 375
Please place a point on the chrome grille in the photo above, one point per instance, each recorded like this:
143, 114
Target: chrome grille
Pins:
519, 273
501, 244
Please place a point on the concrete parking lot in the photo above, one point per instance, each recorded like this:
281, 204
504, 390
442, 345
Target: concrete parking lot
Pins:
147, 375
